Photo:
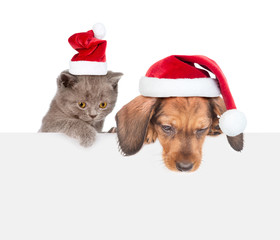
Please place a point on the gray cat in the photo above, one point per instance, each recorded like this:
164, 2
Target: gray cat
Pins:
81, 105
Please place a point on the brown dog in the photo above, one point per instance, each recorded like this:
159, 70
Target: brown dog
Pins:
180, 123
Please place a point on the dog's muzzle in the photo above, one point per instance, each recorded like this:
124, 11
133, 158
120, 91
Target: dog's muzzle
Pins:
184, 167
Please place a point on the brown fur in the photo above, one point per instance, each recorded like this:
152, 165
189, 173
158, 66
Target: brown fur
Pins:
134, 118
143, 120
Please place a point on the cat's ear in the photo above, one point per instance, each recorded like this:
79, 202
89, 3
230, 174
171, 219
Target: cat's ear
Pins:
113, 78
66, 80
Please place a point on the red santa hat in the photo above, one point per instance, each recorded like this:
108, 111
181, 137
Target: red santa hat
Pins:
177, 76
91, 58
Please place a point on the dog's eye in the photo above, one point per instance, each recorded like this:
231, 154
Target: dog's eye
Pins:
200, 131
166, 128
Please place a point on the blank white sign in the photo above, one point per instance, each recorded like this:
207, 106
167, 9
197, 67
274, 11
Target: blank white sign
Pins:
51, 188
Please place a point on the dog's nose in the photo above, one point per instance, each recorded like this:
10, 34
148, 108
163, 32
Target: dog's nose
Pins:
184, 167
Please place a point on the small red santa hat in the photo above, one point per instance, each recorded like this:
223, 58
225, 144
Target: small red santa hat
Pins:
177, 76
91, 58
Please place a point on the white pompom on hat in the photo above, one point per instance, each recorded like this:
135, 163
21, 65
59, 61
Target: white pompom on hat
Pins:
228, 122
177, 76
99, 30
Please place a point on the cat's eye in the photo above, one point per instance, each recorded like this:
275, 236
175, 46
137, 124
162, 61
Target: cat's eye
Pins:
82, 104
103, 105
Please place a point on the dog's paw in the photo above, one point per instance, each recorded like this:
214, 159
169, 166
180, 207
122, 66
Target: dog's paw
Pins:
151, 136
113, 130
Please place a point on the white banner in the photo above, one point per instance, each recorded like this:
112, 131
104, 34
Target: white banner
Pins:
51, 188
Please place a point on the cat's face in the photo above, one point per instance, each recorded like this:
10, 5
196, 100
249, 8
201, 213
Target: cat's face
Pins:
89, 98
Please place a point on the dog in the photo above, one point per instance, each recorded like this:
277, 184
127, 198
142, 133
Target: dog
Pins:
179, 123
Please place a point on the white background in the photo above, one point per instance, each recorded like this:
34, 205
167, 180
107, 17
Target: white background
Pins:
241, 36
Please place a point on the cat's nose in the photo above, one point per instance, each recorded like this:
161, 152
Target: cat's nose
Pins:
93, 116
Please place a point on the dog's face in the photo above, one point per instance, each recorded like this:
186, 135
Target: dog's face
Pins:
181, 125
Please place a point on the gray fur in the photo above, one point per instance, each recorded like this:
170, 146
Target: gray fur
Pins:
67, 117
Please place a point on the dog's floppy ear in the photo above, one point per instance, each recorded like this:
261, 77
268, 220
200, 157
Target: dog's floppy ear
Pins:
132, 123
236, 142
218, 107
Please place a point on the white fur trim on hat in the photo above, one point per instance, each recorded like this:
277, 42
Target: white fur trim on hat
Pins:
88, 68
180, 87
99, 30
232, 122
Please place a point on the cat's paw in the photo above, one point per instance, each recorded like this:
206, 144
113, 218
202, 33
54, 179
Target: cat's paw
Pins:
113, 130
87, 137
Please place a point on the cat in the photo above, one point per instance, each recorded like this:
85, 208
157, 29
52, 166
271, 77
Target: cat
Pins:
81, 104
